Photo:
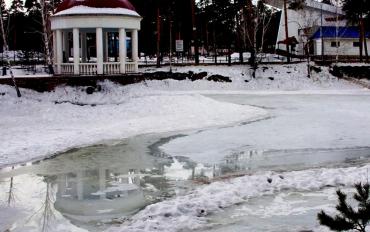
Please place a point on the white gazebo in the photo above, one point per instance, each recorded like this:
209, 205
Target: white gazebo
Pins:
95, 37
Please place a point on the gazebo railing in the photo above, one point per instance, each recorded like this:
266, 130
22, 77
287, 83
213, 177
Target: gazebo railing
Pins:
130, 67
67, 68
91, 68
111, 68
88, 68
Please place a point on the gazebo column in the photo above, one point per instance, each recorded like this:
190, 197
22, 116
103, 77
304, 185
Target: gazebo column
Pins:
83, 47
59, 51
135, 49
76, 51
99, 50
122, 50
55, 47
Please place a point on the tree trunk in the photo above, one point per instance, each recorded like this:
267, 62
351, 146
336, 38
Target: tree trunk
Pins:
361, 38
251, 30
362, 23
46, 33
195, 39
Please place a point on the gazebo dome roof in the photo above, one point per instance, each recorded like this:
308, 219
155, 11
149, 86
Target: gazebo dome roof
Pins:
99, 6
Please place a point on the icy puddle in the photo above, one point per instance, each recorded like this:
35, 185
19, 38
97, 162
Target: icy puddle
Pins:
269, 175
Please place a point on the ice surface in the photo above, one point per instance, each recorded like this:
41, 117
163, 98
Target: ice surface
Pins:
297, 122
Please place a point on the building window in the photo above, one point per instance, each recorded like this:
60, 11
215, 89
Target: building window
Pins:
356, 44
335, 44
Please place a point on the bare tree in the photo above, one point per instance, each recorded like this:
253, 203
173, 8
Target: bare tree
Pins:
6, 52
46, 35
256, 21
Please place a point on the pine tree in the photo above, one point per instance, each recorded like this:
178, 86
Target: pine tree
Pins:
32, 5
16, 7
4, 15
16, 23
348, 217
356, 12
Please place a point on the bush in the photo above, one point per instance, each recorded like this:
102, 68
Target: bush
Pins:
348, 217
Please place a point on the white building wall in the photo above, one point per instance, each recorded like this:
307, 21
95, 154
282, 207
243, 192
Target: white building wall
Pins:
345, 48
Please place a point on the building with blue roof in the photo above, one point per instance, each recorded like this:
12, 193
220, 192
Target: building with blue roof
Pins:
343, 41
314, 30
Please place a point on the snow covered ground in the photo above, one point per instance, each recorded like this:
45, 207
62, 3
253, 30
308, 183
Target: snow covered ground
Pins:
268, 77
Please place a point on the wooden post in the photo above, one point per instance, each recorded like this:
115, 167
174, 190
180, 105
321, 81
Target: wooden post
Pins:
286, 30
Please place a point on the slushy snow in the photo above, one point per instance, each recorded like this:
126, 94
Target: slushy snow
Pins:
189, 212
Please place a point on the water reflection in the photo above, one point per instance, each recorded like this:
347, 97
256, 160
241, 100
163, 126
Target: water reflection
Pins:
96, 186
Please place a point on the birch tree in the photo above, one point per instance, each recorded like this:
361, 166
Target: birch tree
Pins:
256, 20
46, 34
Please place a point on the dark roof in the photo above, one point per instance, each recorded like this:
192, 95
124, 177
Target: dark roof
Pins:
343, 32
291, 41
67, 4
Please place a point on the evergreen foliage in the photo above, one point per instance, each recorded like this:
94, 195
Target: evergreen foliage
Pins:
349, 218
358, 13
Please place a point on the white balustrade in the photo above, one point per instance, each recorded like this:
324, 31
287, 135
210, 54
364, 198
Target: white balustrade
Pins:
88, 68
130, 67
67, 68
111, 68
91, 68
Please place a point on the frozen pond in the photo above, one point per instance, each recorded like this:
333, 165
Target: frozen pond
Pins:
101, 186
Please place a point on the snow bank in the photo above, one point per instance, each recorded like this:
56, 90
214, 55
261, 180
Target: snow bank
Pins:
268, 77
189, 212
41, 124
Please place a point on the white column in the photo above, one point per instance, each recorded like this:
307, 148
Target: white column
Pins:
99, 50
54, 47
122, 50
59, 51
76, 51
135, 49
83, 47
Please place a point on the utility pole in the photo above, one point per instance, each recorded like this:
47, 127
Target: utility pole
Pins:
195, 39
321, 35
286, 30
170, 21
337, 33
158, 38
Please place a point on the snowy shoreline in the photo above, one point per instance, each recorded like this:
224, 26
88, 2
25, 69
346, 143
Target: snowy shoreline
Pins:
43, 124
48, 128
